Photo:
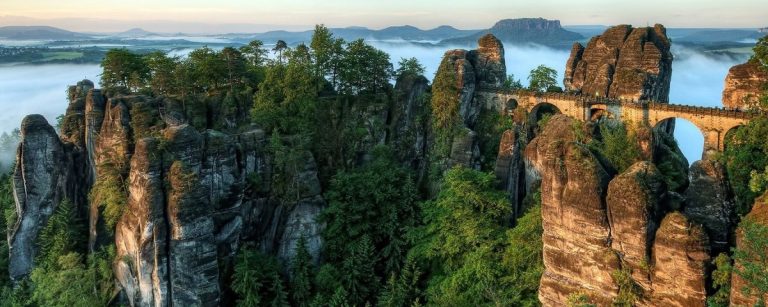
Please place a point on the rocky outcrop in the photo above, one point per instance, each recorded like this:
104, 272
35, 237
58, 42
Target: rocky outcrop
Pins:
488, 61
623, 62
744, 85
759, 216
635, 209
408, 135
594, 229
40, 183
475, 72
709, 202
577, 250
680, 258
192, 196
510, 169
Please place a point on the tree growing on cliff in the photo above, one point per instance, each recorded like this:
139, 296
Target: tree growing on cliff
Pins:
469, 250
751, 258
377, 201
123, 68
409, 66
543, 79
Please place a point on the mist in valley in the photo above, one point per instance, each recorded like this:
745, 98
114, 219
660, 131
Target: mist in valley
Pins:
697, 79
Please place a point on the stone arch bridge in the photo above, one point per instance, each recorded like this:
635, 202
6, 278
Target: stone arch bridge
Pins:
714, 123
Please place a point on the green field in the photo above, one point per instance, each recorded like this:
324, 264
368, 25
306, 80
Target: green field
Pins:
61, 55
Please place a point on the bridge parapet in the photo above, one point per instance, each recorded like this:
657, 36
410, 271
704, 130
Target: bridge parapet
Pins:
713, 122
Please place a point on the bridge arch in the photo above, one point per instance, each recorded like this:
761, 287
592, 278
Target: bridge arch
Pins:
599, 113
543, 109
730, 134
694, 141
511, 104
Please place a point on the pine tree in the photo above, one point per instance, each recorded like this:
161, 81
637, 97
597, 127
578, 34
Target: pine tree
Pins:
301, 272
361, 281
280, 298
246, 283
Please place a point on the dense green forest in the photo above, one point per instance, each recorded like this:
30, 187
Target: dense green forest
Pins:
388, 239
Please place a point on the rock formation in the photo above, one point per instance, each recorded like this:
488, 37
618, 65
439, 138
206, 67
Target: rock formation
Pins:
635, 208
623, 62
709, 202
476, 72
680, 257
744, 85
577, 252
190, 199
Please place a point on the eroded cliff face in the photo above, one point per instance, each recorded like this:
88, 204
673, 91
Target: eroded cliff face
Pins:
192, 196
744, 86
623, 62
476, 73
189, 197
598, 225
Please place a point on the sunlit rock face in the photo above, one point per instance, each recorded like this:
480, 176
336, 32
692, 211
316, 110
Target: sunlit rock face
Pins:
744, 85
623, 62
577, 247
680, 259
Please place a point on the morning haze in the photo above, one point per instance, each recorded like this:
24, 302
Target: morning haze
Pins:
251, 16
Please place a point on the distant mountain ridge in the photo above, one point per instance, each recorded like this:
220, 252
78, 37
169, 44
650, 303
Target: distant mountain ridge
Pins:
39, 32
406, 32
525, 30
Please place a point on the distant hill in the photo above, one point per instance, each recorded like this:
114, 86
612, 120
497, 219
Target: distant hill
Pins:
717, 35
351, 33
39, 32
135, 32
524, 30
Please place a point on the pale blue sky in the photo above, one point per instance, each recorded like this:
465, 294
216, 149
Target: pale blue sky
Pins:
105, 14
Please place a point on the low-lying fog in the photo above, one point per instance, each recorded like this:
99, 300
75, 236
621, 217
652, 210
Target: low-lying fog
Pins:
697, 79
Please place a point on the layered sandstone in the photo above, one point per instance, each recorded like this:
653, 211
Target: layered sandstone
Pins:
744, 85
680, 259
623, 62
577, 249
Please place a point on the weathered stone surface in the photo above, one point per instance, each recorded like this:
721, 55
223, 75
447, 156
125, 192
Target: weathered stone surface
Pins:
410, 122
142, 234
38, 185
577, 253
488, 61
194, 271
623, 62
709, 202
744, 85
510, 169
634, 212
759, 215
680, 257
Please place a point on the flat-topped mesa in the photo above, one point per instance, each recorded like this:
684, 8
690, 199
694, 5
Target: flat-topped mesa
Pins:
744, 86
623, 62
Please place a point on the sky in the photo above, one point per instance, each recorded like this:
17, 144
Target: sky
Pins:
199, 16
